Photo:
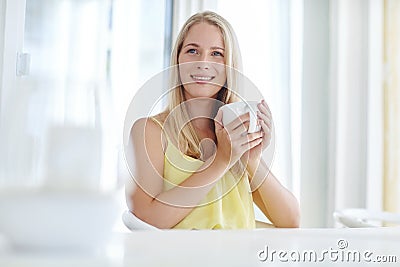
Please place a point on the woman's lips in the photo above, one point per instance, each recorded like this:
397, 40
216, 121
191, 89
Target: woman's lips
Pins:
202, 78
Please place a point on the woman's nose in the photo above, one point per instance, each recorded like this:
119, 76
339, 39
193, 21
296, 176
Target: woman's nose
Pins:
203, 65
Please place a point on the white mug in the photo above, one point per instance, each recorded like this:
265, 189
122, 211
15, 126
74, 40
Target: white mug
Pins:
233, 110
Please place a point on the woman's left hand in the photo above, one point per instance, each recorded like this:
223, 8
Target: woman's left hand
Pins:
264, 118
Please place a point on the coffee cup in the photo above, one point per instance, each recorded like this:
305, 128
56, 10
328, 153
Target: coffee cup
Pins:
233, 110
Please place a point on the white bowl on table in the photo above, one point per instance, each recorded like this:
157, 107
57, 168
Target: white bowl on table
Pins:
37, 220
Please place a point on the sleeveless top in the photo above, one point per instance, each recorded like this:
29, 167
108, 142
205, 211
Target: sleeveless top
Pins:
228, 205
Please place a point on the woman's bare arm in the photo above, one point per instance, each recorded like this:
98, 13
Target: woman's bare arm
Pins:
273, 199
147, 200
164, 209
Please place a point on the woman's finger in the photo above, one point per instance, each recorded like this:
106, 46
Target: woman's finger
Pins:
266, 129
253, 143
264, 110
264, 118
264, 104
238, 122
240, 131
244, 140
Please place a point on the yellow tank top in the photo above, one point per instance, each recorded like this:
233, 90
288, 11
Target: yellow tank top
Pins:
229, 204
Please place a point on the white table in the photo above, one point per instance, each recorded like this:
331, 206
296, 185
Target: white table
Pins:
229, 248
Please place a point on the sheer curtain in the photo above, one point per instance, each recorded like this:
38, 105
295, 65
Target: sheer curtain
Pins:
355, 109
342, 114
138, 29
314, 114
357, 79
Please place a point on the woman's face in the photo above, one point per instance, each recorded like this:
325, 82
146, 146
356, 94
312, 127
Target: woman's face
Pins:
201, 61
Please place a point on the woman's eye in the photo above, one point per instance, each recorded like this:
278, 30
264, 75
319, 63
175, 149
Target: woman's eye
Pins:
216, 53
192, 51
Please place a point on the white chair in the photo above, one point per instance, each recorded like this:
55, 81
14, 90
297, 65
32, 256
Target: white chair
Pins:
358, 218
134, 223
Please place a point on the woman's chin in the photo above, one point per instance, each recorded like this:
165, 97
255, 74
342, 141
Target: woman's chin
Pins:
202, 90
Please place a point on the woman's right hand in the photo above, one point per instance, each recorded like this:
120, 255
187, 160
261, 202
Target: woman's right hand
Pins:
233, 140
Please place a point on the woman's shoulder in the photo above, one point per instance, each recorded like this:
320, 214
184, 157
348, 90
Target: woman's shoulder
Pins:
147, 123
149, 128
157, 119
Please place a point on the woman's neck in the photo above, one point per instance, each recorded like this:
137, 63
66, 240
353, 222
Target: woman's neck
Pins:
201, 124
201, 111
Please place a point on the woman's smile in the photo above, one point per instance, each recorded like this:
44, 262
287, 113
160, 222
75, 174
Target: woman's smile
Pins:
201, 79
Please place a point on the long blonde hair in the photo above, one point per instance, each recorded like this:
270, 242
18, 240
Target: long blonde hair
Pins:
187, 139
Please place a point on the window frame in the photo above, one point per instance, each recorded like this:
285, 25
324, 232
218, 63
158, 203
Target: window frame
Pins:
12, 28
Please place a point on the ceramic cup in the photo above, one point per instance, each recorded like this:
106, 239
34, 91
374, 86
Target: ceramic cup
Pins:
233, 110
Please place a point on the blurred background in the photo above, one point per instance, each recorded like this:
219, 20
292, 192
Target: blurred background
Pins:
328, 69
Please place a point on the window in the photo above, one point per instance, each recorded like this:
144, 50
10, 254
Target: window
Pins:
88, 58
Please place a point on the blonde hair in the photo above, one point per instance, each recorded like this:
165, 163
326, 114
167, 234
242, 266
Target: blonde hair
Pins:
187, 139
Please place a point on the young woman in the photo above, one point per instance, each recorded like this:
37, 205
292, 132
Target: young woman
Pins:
189, 170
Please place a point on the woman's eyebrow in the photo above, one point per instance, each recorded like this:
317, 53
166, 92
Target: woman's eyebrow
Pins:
197, 45
192, 44
217, 47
